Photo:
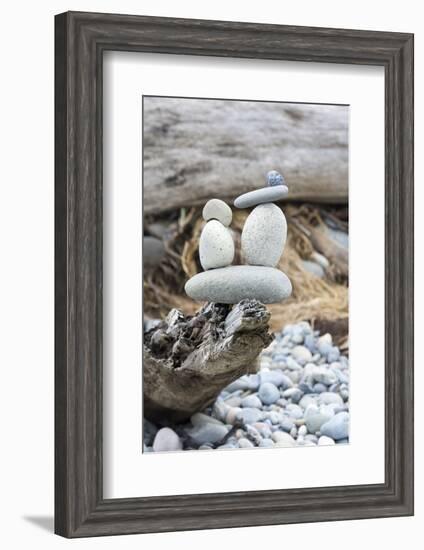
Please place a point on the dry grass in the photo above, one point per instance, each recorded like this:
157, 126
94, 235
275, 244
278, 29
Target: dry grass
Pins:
313, 298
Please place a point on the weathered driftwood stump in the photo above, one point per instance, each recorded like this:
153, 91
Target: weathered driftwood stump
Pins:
189, 360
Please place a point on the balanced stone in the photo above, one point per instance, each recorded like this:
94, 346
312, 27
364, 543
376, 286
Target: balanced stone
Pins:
260, 196
275, 178
264, 235
216, 209
216, 246
230, 285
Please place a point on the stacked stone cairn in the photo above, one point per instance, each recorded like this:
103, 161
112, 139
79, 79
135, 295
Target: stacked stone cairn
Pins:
262, 244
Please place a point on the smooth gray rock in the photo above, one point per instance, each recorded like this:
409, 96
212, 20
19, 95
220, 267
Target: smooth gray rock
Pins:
216, 246
166, 440
230, 285
251, 401
324, 375
327, 398
301, 354
283, 439
315, 418
266, 443
276, 377
325, 440
244, 443
208, 433
268, 393
216, 209
199, 419
153, 251
261, 196
264, 235
314, 268
337, 427
249, 415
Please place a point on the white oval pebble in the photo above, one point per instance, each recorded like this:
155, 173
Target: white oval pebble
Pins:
264, 235
283, 439
216, 246
216, 209
166, 440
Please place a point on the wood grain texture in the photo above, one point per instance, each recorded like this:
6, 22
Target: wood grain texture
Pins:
187, 362
80, 509
193, 145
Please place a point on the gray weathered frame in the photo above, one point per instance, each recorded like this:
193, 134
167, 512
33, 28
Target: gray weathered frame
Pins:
80, 40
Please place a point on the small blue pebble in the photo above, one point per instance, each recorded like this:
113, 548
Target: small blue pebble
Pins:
274, 178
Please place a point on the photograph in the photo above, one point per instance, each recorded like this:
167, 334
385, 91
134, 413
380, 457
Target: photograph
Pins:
245, 274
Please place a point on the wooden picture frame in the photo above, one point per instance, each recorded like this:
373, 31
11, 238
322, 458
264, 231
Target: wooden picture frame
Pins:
81, 39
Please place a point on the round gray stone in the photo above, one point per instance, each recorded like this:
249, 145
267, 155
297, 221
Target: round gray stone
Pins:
230, 285
166, 440
208, 433
337, 427
260, 196
251, 401
153, 251
268, 393
216, 209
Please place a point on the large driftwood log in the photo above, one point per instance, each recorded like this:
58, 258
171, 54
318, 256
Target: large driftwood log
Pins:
189, 360
198, 149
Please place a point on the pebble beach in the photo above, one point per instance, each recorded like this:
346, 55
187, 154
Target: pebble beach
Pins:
298, 397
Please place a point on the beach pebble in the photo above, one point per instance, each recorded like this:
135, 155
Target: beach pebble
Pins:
315, 417
249, 415
208, 433
276, 377
216, 209
261, 196
166, 440
274, 178
264, 235
268, 393
324, 440
302, 430
308, 399
327, 398
324, 375
266, 443
230, 285
232, 415
244, 443
198, 419
320, 259
251, 401
337, 427
283, 439
216, 246
313, 268
301, 354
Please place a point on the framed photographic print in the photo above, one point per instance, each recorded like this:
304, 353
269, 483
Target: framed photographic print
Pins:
234, 274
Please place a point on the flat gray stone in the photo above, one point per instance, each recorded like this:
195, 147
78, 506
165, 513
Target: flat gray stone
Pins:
230, 285
260, 196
